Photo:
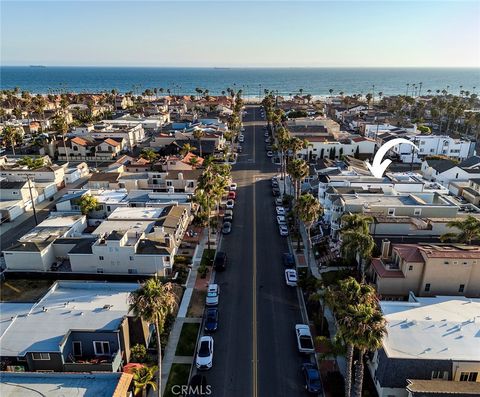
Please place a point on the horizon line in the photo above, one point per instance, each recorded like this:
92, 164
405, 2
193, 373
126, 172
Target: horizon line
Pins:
244, 67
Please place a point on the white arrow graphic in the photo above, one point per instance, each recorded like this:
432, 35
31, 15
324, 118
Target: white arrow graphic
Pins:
377, 168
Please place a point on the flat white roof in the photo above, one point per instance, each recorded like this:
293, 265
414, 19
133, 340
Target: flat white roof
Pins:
68, 305
27, 384
136, 213
439, 328
60, 220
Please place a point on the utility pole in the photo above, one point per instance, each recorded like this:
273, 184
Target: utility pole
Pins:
32, 200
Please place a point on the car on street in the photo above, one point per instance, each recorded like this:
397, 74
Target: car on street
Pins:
241, 138
213, 292
276, 192
204, 359
283, 230
279, 201
264, 128
266, 134
230, 204
239, 149
233, 187
269, 153
220, 261
226, 228
267, 140
197, 384
231, 195
274, 183
211, 319
311, 375
288, 259
304, 339
281, 220
291, 277
280, 210
243, 129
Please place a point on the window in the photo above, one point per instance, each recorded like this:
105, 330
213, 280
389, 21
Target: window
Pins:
427, 287
391, 211
99, 269
40, 356
131, 258
446, 262
432, 150
417, 211
410, 267
461, 288
15, 193
101, 258
77, 348
101, 348
169, 183
132, 271
436, 374
468, 376
75, 149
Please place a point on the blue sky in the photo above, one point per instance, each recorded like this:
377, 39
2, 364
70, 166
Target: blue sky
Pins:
304, 34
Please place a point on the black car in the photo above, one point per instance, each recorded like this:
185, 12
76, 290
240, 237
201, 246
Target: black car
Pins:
288, 259
226, 228
220, 262
276, 192
313, 382
211, 319
198, 386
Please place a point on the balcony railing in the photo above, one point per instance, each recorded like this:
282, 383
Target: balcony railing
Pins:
109, 363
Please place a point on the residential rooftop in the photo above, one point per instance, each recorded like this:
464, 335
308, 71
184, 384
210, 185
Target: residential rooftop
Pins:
438, 328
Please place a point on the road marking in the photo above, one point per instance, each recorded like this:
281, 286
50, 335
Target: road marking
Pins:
254, 288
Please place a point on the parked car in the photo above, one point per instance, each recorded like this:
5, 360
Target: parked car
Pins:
280, 210
281, 220
232, 195
239, 149
212, 295
269, 153
197, 384
266, 134
264, 128
230, 204
291, 277
283, 230
288, 259
267, 140
211, 319
220, 261
228, 216
226, 228
276, 192
241, 138
274, 183
242, 129
279, 201
233, 187
204, 358
313, 382
304, 339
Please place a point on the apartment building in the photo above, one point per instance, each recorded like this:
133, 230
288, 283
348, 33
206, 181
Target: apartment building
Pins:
77, 326
426, 270
431, 340
89, 149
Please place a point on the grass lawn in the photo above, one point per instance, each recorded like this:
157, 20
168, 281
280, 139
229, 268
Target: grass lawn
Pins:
188, 339
178, 376
22, 290
207, 257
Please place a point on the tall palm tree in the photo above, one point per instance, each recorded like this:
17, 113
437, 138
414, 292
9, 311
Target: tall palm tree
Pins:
149, 154
143, 377
298, 170
371, 328
308, 209
342, 297
198, 134
152, 303
357, 245
61, 125
469, 229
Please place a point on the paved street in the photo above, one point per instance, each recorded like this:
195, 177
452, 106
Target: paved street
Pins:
255, 347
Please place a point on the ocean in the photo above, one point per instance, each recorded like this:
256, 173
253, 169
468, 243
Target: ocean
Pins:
253, 81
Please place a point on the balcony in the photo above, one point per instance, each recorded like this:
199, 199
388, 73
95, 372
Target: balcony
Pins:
110, 363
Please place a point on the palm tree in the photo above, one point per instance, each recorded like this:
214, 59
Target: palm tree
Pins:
342, 298
469, 229
153, 302
199, 134
187, 148
142, 378
371, 328
298, 170
308, 209
149, 154
193, 161
61, 125
11, 136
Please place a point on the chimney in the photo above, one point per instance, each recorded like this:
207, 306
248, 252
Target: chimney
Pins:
385, 248
180, 175
167, 240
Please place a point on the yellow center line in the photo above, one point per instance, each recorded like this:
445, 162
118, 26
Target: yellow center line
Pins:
254, 287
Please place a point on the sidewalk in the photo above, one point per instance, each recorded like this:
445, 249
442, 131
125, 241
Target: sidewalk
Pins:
169, 356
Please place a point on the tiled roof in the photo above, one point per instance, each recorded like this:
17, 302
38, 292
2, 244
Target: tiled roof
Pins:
409, 252
383, 272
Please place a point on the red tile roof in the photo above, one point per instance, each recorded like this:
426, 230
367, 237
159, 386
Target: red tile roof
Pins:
112, 142
409, 252
383, 272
